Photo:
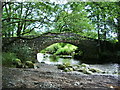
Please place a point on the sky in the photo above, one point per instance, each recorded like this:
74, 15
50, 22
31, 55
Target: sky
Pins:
59, 1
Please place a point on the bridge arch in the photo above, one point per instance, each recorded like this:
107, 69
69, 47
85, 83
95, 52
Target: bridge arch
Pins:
87, 45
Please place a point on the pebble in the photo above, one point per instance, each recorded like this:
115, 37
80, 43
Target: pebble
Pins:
77, 83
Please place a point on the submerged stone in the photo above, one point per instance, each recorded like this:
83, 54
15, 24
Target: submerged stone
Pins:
71, 69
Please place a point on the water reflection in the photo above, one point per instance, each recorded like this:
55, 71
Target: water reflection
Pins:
52, 59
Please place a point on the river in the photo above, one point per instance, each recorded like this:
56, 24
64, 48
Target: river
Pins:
109, 68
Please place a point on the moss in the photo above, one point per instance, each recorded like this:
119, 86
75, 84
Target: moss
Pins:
67, 64
17, 63
66, 70
71, 69
30, 64
84, 68
62, 67
84, 65
95, 70
17, 60
87, 72
75, 68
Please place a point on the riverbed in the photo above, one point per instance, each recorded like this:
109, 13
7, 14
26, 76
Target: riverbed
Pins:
108, 68
49, 77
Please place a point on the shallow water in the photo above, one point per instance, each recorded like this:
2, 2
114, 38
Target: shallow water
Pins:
51, 59
110, 68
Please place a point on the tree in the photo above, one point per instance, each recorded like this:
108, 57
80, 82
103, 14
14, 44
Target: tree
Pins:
104, 14
22, 18
72, 18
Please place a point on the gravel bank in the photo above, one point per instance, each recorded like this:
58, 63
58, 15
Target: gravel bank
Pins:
48, 76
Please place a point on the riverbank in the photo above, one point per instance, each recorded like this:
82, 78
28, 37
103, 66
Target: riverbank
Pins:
48, 76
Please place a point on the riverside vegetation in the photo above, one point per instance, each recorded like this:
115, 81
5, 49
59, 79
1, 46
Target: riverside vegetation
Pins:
99, 21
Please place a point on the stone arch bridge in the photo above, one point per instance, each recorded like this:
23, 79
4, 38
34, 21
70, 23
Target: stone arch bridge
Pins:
89, 46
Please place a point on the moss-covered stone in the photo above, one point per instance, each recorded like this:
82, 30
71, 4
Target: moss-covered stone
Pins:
84, 65
62, 67
84, 68
66, 70
67, 64
95, 70
17, 63
30, 64
71, 69
75, 68
87, 72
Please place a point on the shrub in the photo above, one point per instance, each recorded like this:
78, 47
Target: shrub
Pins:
23, 52
8, 58
60, 49
53, 48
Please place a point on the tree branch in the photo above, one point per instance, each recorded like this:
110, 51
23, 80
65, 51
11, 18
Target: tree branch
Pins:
20, 19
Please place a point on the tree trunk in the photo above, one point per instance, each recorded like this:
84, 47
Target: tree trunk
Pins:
98, 31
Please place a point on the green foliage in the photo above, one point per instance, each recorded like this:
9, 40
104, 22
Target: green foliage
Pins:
73, 18
35, 18
54, 58
60, 49
67, 49
93, 19
23, 52
23, 18
53, 48
8, 58
103, 16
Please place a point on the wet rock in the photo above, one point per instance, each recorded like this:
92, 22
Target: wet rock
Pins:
95, 70
84, 65
87, 72
66, 70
